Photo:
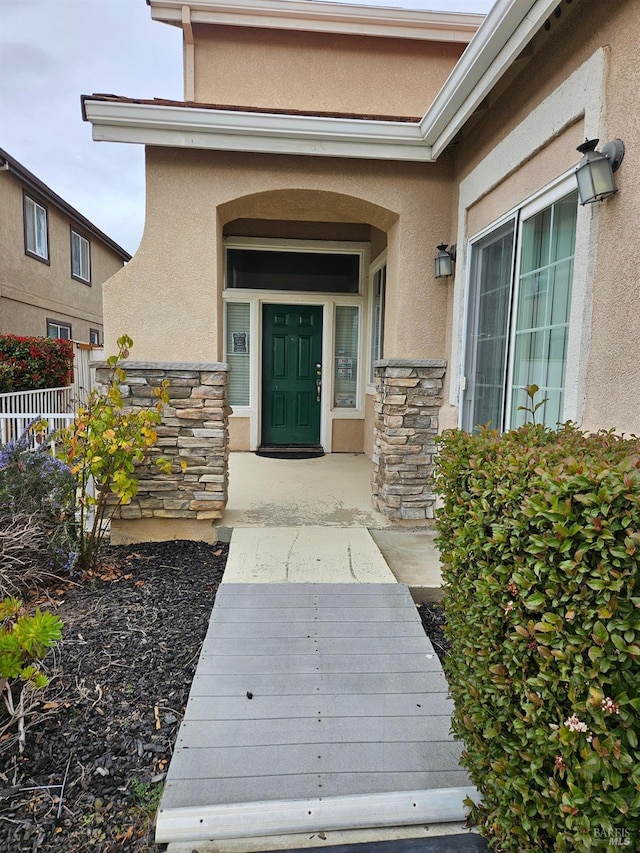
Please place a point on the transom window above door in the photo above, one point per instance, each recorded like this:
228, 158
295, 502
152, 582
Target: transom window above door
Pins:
302, 272
518, 311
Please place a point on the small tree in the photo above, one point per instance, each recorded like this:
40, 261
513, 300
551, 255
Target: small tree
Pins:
104, 445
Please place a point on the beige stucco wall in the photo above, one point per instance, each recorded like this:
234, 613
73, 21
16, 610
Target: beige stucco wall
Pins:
32, 291
347, 436
239, 433
168, 297
369, 421
612, 27
282, 69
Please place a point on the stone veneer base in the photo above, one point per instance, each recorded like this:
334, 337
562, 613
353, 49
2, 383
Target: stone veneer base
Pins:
194, 436
407, 406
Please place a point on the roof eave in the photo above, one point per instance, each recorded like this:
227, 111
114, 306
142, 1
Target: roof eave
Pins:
326, 17
257, 132
38, 187
506, 31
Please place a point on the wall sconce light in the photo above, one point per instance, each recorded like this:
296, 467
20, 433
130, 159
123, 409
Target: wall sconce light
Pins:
444, 261
594, 173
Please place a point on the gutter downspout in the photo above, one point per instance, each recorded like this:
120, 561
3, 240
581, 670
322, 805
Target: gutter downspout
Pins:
189, 55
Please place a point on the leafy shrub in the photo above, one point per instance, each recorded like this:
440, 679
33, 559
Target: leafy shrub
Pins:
38, 530
103, 446
24, 641
28, 363
539, 533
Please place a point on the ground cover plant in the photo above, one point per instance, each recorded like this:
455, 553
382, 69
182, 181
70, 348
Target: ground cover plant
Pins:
539, 532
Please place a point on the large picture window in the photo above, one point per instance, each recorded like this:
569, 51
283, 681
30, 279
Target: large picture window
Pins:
518, 317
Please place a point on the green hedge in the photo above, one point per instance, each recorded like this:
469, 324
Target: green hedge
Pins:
28, 363
540, 538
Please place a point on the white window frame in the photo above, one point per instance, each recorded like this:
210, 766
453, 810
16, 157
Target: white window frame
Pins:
84, 247
378, 264
31, 245
560, 188
58, 325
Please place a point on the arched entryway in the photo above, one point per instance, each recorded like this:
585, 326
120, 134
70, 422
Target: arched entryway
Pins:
303, 282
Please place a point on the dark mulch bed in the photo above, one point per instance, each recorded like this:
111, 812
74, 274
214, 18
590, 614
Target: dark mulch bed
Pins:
121, 678
131, 639
433, 620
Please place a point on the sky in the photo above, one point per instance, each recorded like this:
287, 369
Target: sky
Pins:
52, 51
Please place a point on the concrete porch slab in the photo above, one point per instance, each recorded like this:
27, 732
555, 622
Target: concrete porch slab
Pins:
331, 491
305, 555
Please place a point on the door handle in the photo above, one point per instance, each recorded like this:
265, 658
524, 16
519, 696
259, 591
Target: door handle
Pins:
318, 387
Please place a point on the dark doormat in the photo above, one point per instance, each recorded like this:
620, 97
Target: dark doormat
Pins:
289, 451
465, 843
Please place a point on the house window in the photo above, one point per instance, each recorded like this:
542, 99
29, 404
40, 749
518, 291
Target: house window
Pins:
300, 272
377, 317
94, 337
36, 240
80, 257
58, 330
518, 317
345, 380
238, 352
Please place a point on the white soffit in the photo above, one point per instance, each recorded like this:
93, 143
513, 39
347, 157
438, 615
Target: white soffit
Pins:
323, 17
506, 31
233, 130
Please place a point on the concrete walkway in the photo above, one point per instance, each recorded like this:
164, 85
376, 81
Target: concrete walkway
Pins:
333, 492
319, 707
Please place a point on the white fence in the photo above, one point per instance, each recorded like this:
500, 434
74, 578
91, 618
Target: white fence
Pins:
56, 406
83, 373
20, 409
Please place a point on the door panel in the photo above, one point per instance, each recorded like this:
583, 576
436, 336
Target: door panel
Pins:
291, 351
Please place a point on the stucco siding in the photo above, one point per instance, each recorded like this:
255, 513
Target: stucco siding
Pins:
597, 48
32, 291
169, 296
319, 71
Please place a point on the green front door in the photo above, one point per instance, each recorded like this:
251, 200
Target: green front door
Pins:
291, 359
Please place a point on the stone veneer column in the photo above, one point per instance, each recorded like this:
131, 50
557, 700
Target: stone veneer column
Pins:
408, 401
194, 432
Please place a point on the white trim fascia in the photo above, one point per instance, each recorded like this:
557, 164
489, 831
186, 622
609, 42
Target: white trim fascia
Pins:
324, 17
506, 31
580, 96
234, 130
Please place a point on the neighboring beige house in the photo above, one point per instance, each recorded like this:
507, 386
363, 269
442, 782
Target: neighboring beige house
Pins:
53, 261
296, 198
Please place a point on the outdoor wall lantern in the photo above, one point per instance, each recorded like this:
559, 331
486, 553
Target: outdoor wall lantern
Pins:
594, 173
444, 261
